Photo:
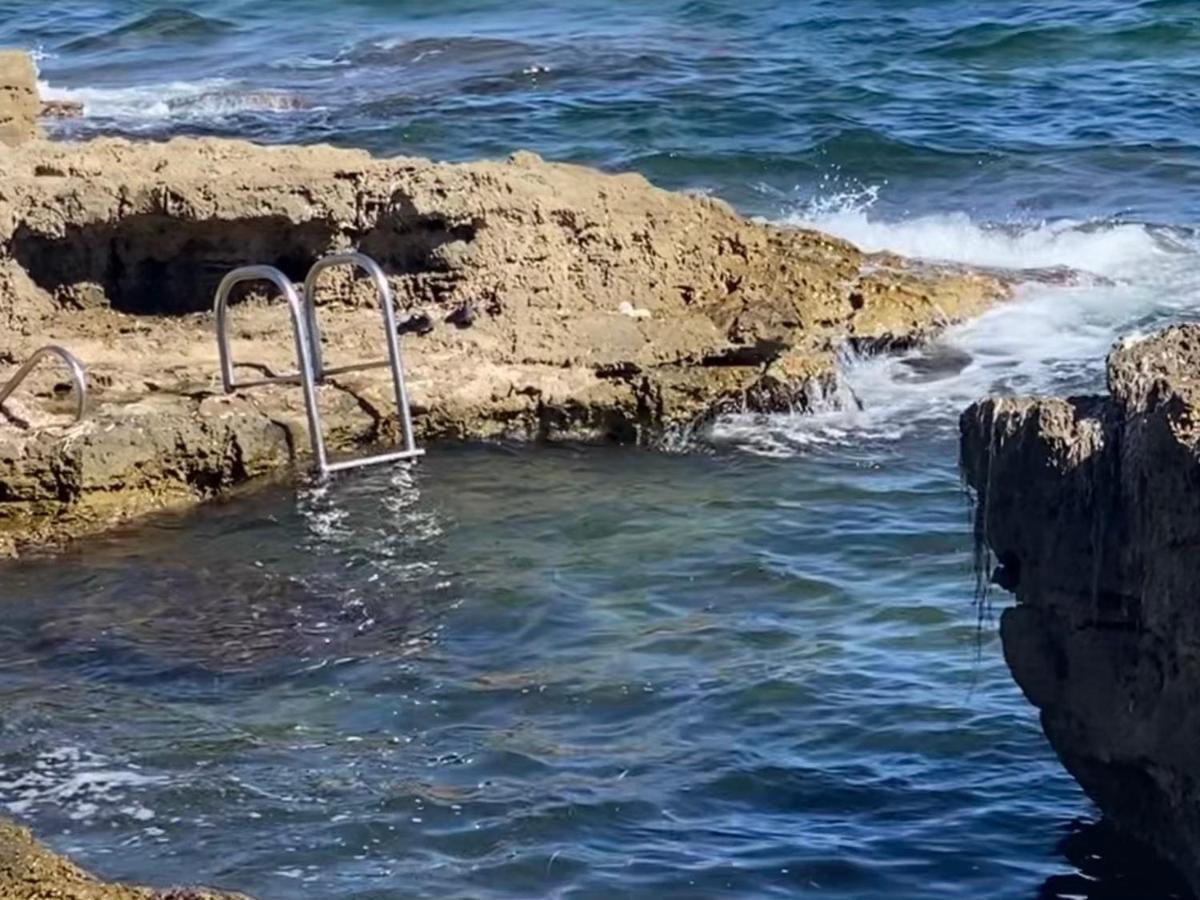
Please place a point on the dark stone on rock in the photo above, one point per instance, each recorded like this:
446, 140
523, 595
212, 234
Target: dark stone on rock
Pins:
419, 324
760, 353
1092, 506
463, 317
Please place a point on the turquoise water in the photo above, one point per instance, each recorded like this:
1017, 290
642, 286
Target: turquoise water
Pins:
752, 669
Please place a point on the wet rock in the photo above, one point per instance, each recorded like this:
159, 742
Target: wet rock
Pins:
935, 362
216, 102
61, 109
1091, 507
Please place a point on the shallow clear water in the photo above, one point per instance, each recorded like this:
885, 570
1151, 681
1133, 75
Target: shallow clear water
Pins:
752, 669
526, 673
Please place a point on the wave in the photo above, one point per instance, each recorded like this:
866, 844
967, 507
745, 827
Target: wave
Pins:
1104, 248
183, 100
154, 27
1052, 338
444, 51
995, 43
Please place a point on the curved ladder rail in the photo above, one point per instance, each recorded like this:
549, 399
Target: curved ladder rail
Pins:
303, 347
74, 366
394, 361
308, 352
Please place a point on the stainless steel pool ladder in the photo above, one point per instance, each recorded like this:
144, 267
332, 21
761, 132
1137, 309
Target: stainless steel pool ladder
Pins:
307, 335
74, 367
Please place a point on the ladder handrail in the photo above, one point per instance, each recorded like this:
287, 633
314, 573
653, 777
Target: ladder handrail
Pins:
308, 350
74, 366
387, 305
299, 332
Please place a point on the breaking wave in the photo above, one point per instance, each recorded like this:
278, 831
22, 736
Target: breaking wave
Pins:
1052, 337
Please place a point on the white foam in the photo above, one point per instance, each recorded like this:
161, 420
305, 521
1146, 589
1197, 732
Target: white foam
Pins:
1049, 338
138, 102
79, 784
1102, 248
209, 98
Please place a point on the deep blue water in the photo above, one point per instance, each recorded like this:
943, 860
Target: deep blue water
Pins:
753, 669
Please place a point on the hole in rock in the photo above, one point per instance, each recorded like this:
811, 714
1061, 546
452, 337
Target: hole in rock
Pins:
152, 264
160, 265
407, 241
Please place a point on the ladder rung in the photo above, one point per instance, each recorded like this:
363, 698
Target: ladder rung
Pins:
356, 367
374, 460
274, 379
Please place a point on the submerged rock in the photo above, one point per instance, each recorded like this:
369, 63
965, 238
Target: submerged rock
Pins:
28, 871
1091, 506
232, 101
61, 109
115, 249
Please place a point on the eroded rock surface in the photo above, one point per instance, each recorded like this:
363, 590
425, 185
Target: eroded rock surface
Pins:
1091, 506
19, 103
566, 304
28, 871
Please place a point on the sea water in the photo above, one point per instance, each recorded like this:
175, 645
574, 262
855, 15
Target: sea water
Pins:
754, 668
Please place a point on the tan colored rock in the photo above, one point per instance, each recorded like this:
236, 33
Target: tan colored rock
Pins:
19, 103
115, 249
1091, 507
28, 871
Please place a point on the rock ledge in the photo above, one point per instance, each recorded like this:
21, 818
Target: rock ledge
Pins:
564, 304
28, 871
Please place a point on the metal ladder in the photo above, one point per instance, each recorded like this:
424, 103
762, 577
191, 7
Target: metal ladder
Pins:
74, 367
307, 335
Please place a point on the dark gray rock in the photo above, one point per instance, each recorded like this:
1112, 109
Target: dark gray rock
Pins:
1091, 509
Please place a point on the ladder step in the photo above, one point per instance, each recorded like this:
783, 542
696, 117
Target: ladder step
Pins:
374, 460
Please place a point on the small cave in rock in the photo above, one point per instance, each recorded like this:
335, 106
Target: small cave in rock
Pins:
153, 264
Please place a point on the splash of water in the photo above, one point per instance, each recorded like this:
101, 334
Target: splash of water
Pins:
1051, 338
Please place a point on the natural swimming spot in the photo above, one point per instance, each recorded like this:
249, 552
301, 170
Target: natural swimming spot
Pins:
743, 661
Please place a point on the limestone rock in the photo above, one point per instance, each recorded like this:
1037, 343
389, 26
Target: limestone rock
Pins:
19, 103
1091, 506
28, 871
115, 249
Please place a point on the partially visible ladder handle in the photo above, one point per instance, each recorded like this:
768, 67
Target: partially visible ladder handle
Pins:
74, 367
299, 332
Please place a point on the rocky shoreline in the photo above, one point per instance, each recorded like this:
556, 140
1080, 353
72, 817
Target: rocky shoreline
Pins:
554, 303
561, 304
1090, 508
28, 871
